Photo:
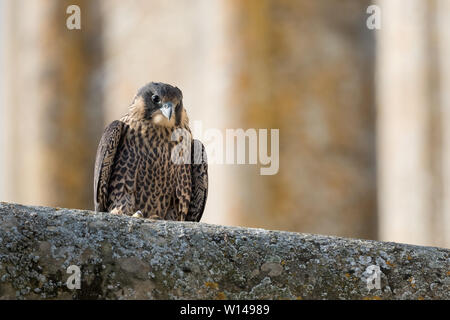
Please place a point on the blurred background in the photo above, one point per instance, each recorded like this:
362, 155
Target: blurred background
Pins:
364, 137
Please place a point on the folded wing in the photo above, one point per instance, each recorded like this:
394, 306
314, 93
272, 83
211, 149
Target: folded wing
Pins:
104, 163
199, 171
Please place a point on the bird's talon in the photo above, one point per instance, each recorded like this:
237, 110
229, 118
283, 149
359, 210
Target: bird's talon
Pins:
138, 214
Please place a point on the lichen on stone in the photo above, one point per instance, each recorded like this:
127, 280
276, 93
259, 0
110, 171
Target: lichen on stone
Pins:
126, 258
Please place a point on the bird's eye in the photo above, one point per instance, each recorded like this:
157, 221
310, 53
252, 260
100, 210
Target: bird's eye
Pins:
156, 98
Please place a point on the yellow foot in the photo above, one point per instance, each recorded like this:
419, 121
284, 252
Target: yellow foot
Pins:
138, 214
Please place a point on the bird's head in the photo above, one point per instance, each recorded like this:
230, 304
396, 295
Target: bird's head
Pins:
160, 103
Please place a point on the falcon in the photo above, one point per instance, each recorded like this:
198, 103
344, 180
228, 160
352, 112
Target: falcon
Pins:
144, 168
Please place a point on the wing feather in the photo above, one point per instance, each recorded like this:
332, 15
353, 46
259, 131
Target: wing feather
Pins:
199, 171
104, 163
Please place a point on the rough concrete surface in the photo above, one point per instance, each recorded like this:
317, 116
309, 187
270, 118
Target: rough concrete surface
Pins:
129, 258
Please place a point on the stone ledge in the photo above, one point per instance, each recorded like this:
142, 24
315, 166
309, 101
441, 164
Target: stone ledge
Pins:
128, 258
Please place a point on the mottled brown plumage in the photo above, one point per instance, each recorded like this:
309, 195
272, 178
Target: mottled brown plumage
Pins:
136, 169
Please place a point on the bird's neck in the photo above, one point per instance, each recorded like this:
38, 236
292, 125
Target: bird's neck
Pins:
148, 127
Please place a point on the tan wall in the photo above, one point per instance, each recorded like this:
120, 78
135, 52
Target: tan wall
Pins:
308, 71
294, 66
304, 67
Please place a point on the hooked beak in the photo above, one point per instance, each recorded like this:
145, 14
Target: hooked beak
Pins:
167, 109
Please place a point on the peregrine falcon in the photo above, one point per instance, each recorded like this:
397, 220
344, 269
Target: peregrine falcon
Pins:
136, 172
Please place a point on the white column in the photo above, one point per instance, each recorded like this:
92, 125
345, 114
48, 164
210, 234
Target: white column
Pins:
2, 100
443, 21
402, 123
